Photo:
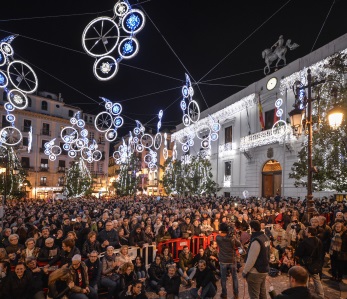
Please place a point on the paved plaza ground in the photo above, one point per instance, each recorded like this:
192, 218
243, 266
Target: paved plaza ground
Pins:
332, 290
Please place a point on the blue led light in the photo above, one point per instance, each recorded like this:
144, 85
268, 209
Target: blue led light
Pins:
133, 22
128, 47
2, 78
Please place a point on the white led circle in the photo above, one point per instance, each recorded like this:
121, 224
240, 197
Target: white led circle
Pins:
18, 99
121, 8
116, 109
183, 105
190, 142
3, 58
7, 49
214, 136
22, 76
203, 131
52, 157
9, 107
73, 120
84, 133
216, 127
193, 111
100, 37
146, 140
205, 144
56, 150
136, 132
279, 112
69, 134
133, 21
80, 123
97, 155
111, 135
186, 120
157, 140
278, 102
108, 105
128, 48
118, 121
103, 121
3, 80
185, 148
72, 154
86, 153
279, 128
139, 148
47, 152
10, 118
10, 136
105, 68
165, 153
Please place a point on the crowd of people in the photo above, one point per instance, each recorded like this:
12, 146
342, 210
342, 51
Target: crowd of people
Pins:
74, 243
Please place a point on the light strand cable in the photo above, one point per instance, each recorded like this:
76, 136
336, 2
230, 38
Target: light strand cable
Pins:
202, 95
323, 25
254, 31
149, 94
56, 16
232, 75
217, 84
173, 51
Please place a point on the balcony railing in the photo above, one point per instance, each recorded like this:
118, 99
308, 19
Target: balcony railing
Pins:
46, 132
61, 169
43, 169
227, 181
226, 148
280, 134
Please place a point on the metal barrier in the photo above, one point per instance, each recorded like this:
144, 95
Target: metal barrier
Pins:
176, 245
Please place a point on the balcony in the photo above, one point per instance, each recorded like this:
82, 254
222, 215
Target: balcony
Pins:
226, 149
227, 181
282, 134
61, 169
46, 132
43, 169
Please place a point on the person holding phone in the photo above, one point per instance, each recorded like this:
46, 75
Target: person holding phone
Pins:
134, 291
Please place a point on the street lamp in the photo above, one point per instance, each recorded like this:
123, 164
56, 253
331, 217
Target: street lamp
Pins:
335, 117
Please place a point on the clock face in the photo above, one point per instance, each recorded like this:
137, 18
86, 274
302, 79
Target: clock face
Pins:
271, 84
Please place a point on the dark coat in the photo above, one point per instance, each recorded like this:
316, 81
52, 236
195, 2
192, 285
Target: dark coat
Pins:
156, 272
66, 257
111, 236
94, 271
46, 254
89, 247
296, 293
16, 288
171, 285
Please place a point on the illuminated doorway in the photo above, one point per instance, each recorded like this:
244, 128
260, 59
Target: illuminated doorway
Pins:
272, 178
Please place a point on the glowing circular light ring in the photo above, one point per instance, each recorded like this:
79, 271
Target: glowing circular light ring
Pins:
72, 154
81, 123
10, 136
203, 130
183, 105
279, 130
84, 133
10, 118
97, 155
159, 125
111, 135
279, 113
165, 153
154, 154
86, 153
214, 136
136, 140
66, 146
136, 132
205, 144
153, 168
147, 158
80, 143
69, 134
73, 120
18, 99
128, 48
190, 142
90, 160
160, 114
142, 129
278, 103
136, 16
118, 121
185, 91
216, 127
146, 140
47, 152
56, 150
116, 155
100, 37
103, 121
139, 148
191, 91
158, 138
186, 120
7, 49
9, 107
116, 109
185, 148
3, 80
193, 111
108, 105
19, 71
121, 8
3, 58
105, 68
52, 157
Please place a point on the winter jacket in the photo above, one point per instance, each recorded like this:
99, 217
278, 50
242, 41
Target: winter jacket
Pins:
156, 272
49, 254
296, 293
111, 236
19, 288
88, 247
185, 261
170, 284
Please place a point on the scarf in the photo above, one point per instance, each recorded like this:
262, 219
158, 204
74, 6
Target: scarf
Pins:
336, 243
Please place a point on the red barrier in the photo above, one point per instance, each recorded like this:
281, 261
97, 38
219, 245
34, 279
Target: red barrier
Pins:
176, 245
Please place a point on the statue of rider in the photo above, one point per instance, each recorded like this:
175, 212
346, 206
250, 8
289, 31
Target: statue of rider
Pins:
279, 44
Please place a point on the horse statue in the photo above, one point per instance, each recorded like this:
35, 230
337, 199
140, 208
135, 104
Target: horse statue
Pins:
279, 53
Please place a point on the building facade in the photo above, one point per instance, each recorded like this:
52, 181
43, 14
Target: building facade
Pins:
46, 115
247, 160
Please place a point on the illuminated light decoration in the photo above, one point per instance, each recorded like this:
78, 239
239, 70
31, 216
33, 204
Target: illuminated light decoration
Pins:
110, 120
30, 138
9, 107
165, 151
3, 80
174, 152
6, 49
133, 21
193, 111
105, 68
2, 58
146, 140
157, 141
128, 48
18, 99
22, 76
205, 144
277, 131
10, 136
10, 118
121, 8
104, 34
139, 148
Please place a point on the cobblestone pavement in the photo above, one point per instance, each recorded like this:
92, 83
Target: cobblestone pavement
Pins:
332, 290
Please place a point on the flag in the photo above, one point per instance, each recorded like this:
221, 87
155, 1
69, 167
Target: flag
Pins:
276, 118
261, 118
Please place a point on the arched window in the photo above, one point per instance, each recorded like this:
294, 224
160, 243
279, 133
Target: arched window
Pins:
44, 105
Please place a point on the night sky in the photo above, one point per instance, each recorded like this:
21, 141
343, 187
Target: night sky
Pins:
201, 33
